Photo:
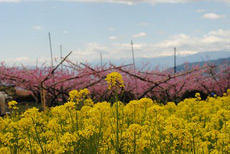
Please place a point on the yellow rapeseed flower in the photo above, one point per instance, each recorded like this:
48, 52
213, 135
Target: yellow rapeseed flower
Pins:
12, 104
197, 95
140, 126
76, 96
228, 91
114, 79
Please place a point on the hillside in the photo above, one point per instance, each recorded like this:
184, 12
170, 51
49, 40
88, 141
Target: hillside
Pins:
201, 63
164, 62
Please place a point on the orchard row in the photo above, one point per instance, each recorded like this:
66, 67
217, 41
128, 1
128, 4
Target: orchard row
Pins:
54, 84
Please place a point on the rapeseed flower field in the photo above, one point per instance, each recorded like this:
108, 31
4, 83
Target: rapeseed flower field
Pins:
140, 126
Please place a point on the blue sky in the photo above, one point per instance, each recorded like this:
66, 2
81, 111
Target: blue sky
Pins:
88, 27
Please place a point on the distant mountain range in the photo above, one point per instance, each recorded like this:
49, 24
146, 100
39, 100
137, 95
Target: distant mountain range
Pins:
165, 62
201, 63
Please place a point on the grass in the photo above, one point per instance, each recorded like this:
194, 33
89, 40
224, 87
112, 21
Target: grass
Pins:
23, 106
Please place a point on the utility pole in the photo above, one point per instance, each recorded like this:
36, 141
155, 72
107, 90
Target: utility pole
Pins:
175, 75
175, 60
101, 58
61, 55
133, 55
51, 52
61, 52
134, 67
36, 62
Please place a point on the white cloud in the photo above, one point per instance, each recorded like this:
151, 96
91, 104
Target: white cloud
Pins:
220, 33
96, 47
212, 16
113, 38
28, 61
187, 52
186, 44
113, 51
213, 41
128, 46
37, 27
90, 52
18, 60
141, 34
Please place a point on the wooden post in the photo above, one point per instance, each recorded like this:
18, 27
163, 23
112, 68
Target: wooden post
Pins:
61, 56
101, 58
175, 60
175, 99
43, 97
133, 55
51, 51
